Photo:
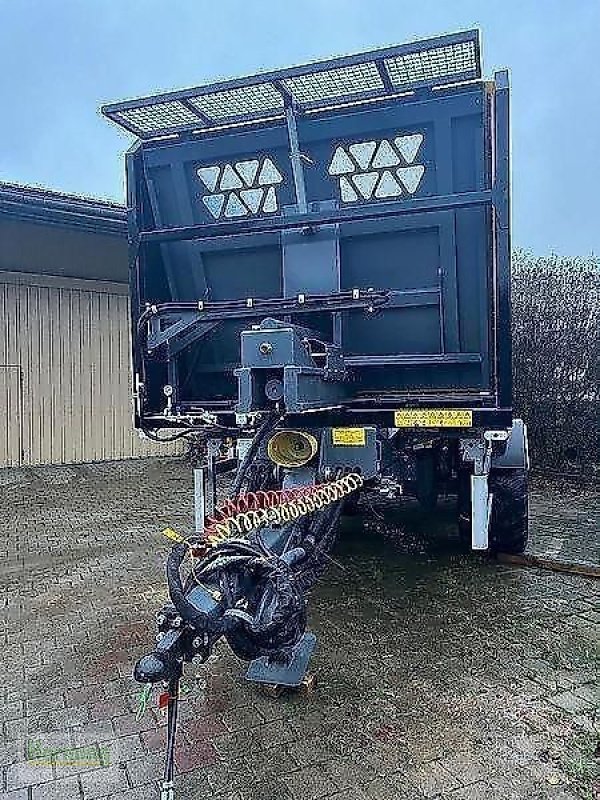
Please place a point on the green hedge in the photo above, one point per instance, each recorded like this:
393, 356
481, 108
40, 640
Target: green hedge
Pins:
556, 352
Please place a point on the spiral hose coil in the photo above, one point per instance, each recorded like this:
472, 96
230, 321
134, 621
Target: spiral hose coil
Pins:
242, 514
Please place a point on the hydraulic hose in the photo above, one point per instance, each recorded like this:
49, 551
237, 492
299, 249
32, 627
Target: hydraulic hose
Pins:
176, 592
260, 435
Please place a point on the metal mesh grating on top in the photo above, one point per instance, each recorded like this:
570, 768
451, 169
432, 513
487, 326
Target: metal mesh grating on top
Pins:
333, 83
157, 116
262, 98
439, 62
351, 79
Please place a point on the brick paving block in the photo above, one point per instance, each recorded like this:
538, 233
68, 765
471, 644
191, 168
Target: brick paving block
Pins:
589, 692
202, 728
15, 729
387, 758
466, 767
221, 776
201, 754
111, 707
481, 791
122, 749
271, 709
393, 787
587, 723
47, 702
64, 789
311, 783
432, 779
228, 743
275, 762
357, 793
155, 739
27, 773
145, 770
147, 792
76, 760
17, 794
81, 696
129, 724
59, 719
240, 717
119, 687
546, 774
11, 752
101, 731
267, 735
103, 781
266, 790
570, 702
11, 710
48, 742
348, 773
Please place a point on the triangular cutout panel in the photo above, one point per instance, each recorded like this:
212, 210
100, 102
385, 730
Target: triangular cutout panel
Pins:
341, 163
214, 203
269, 174
388, 186
408, 146
347, 192
235, 207
230, 179
362, 152
252, 198
270, 204
385, 156
365, 183
248, 170
411, 177
209, 176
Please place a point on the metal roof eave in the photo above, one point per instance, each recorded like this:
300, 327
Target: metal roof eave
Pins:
46, 207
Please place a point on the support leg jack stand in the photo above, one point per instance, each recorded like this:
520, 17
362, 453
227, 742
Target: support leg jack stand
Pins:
307, 687
289, 672
166, 789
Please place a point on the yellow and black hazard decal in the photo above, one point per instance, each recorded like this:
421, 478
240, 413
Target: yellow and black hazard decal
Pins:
349, 437
433, 418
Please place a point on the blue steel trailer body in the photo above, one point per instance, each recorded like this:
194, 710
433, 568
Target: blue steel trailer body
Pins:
386, 171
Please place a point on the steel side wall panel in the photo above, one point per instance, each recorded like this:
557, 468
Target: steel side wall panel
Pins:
68, 349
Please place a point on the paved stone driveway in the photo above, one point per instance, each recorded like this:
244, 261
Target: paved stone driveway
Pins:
440, 675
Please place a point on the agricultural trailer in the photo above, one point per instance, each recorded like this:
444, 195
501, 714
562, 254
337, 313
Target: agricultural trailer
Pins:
320, 286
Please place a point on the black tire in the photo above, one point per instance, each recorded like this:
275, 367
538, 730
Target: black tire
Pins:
351, 507
509, 523
427, 489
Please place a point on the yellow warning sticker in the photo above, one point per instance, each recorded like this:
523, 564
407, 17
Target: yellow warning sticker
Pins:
433, 418
173, 535
349, 436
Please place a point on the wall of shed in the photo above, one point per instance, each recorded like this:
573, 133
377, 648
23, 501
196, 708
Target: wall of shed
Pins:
65, 391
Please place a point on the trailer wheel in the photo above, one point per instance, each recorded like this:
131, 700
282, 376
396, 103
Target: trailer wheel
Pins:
427, 489
351, 507
509, 523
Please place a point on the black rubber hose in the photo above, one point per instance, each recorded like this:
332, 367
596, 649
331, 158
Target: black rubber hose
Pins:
260, 434
187, 611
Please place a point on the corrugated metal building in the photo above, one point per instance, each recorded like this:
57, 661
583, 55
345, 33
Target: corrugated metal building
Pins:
64, 332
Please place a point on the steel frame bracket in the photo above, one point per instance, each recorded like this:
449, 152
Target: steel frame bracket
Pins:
479, 452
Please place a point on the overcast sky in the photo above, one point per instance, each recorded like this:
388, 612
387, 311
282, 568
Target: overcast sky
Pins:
61, 59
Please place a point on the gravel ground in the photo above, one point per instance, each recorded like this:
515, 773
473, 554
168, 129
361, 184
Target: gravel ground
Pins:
439, 674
